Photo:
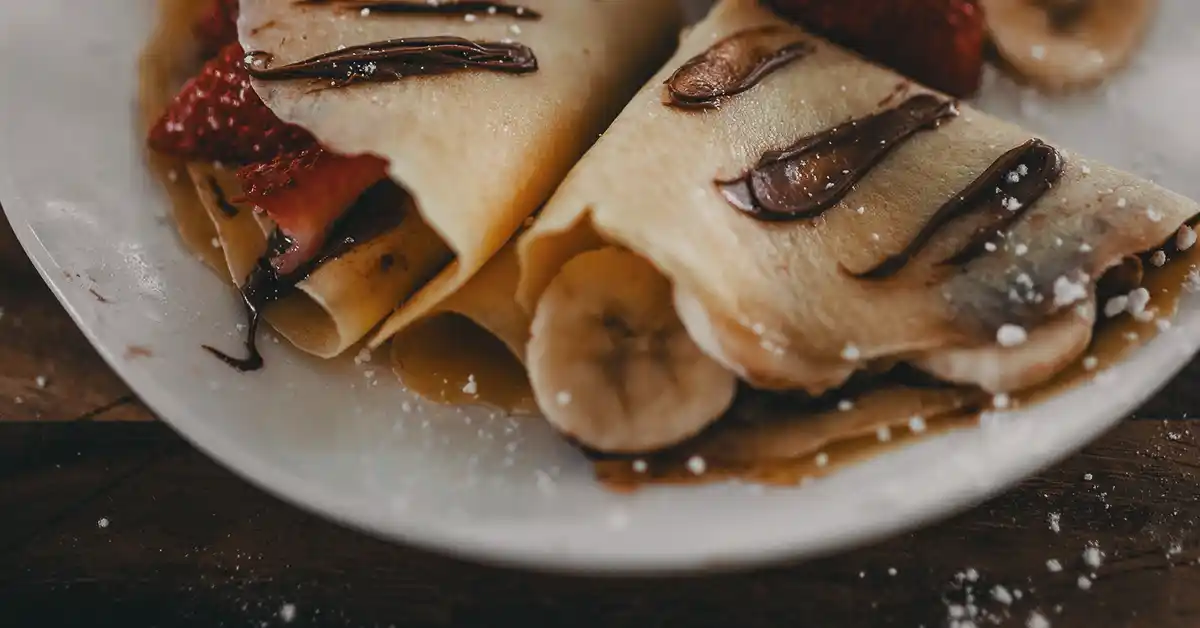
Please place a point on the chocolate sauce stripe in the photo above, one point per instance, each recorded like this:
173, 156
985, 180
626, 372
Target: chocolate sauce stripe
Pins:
1002, 191
396, 59
731, 66
424, 7
815, 173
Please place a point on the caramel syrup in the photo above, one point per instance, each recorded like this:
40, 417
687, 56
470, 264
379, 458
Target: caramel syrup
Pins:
449, 359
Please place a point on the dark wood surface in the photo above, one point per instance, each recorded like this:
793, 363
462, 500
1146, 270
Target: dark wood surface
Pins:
108, 518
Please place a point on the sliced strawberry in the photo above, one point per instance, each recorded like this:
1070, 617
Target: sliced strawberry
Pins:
217, 116
305, 192
217, 28
936, 42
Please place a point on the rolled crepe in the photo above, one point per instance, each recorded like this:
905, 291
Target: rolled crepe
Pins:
780, 232
340, 301
478, 151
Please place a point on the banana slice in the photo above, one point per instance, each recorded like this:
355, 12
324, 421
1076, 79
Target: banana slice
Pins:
1047, 350
1063, 44
611, 364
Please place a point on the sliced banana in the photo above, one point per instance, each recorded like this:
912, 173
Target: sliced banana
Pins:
1063, 44
996, 369
611, 364
756, 358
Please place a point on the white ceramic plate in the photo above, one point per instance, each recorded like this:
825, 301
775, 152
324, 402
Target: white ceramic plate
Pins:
325, 437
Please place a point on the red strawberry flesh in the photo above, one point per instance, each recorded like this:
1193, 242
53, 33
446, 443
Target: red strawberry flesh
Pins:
305, 192
217, 116
937, 42
217, 28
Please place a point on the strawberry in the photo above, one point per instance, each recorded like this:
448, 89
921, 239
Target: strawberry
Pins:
937, 42
305, 192
217, 116
217, 28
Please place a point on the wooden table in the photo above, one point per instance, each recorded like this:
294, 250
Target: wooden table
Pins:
106, 515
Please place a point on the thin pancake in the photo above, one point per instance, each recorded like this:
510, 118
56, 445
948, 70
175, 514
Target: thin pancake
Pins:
479, 151
778, 302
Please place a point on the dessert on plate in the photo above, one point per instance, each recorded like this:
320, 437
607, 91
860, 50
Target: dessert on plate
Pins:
358, 157
832, 220
777, 249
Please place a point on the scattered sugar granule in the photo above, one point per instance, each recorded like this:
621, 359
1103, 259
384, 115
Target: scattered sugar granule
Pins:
1020, 250
1085, 169
884, 434
366, 12
1001, 595
917, 424
1067, 292
861, 210
1116, 305
891, 571
971, 574
822, 459
1175, 549
1053, 565
563, 398
470, 17
102, 523
1139, 298
1001, 400
1011, 335
640, 466
1153, 215
471, 387
216, 244
1037, 620
1191, 283
515, 29
1185, 238
1055, 520
845, 405
850, 353
363, 356
1084, 583
1085, 248
1087, 477
1158, 258
1090, 363
696, 465
40, 381
1093, 557
287, 613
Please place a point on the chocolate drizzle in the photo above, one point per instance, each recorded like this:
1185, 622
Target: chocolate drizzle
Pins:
1005, 191
229, 209
379, 210
428, 7
396, 59
815, 173
732, 66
